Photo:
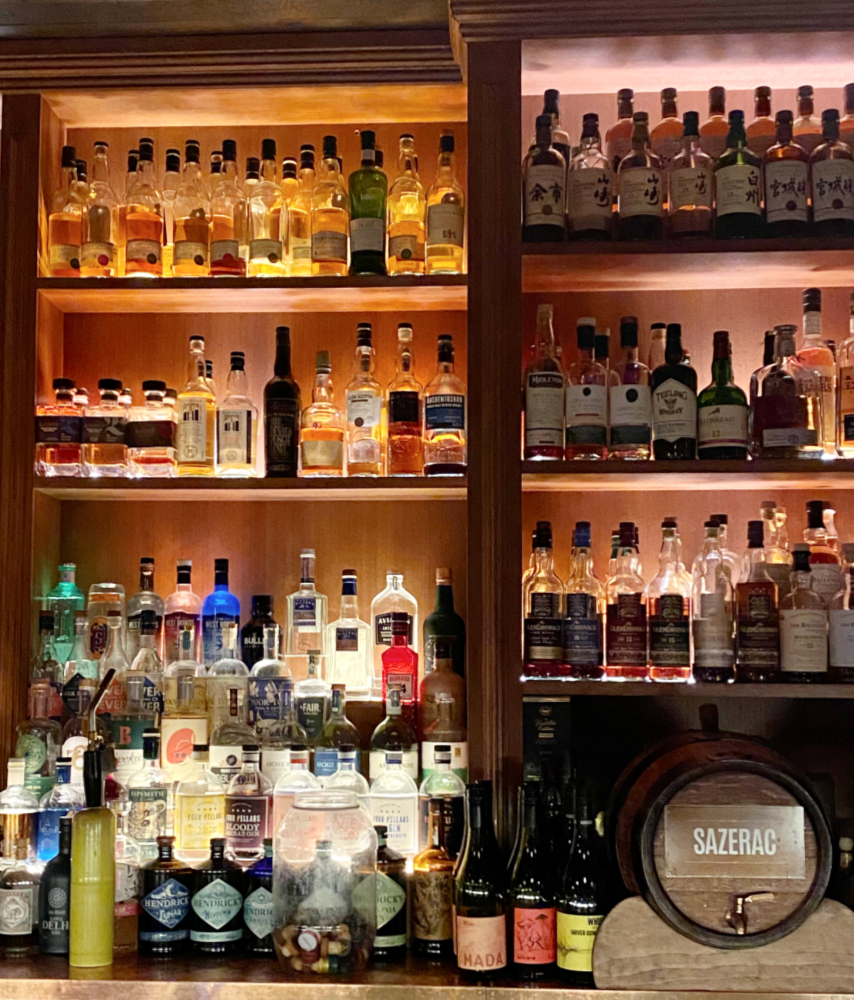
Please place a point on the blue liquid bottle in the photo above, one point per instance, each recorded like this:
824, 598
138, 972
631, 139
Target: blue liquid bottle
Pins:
219, 608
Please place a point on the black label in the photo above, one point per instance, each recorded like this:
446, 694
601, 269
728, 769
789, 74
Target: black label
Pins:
311, 713
58, 429
104, 430
281, 437
150, 434
382, 627
669, 632
582, 632
403, 408
545, 606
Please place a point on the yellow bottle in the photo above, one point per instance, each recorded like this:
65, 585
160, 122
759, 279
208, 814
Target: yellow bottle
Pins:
93, 873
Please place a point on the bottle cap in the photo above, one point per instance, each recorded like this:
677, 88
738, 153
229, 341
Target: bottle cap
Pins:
543, 535
446, 143
691, 123
582, 534
262, 605
815, 513
755, 534
268, 149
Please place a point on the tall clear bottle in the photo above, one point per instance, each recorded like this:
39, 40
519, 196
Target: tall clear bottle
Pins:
330, 215
268, 220
404, 451
630, 402
544, 397
394, 804
690, 184
589, 187
586, 399
307, 612
299, 217
407, 209
196, 417
394, 597
445, 434
366, 416
145, 599
191, 252
322, 426
99, 258
248, 809
199, 809
815, 354
229, 217
237, 425
144, 219
445, 215
712, 609
668, 597
348, 643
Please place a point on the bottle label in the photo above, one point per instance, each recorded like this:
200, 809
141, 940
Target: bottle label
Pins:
364, 408
246, 821
189, 250
34, 751
590, 197
738, 189
325, 762
103, 430
234, 437
544, 407
98, 255
322, 454
758, 632
545, 195
674, 411
382, 629
406, 247
846, 404
544, 628
391, 899
722, 426
225, 251
217, 904
127, 736
311, 713
841, 640
534, 940
143, 434
641, 192
147, 819
826, 579
832, 189
481, 943
367, 235
404, 407
432, 900
178, 736
445, 224
329, 246
144, 251
281, 419
376, 764
401, 818
631, 414
669, 632
200, 817
576, 936
58, 429
265, 695
261, 250
127, 885
300, 248
346, 640
225, 761
803, 640
173, 624
212, 634
168, 904
786, 190
713, 633
74, 747
305, 613
192, 428
445, 412
459, 758
47, 844
258, 912
274, 763
586, 414
789, 437
691, 186
625, 641
17, 910
67, 254
582, 632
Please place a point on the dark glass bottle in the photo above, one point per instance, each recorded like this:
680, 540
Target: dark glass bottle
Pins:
722, 408
480, 890
580, 901
164, 909
544, 189
258, 905
832, 169
368, 195
443, 622
252, 633
641, 187
674, 402
738, 186
551, 809
392, 911
757, 635
55, 897
530, 897
282, 413
219, 886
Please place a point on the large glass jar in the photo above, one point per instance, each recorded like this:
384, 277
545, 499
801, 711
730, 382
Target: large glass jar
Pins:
324, 885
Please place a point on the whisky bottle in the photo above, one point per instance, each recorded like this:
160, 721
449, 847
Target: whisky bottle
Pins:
168, 190
330, 215
757, 618
445, 215
590, 192
761, 132
668, 598
690, 182
738, 186
445, 435
58, 429
196, 417
404, 454
787, 184
268, 219
151, 434
544, 394
365, 411
618, 138
322, 426
674, 402
712, 609
229, 219
841, 615
641, 194
582, 636
815, 354
282, 413
832, 168
407, 209
807, 128
625, 628
845, 390
530, 894
237, 425
432, 891
544, 189
100, 221
630, 400
722, 408
103, 431
144, 219
826, 572
164, 912
665, 139
368, 189
713, 131
65, 222
586, 399
560, 139
191, 252
299, 217
543, 598
803, 625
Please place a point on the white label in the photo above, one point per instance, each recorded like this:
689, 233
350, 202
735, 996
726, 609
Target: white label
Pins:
641, 192
590, 193
74, 748
234, 437
225, 761
841, 637
65, 253
666, 147
459, 758
376, 763
274, 763
738, 189
631, 406
445, 224
367, 234
786, 190
17, 910
128, 762
826, 579
300, 248
405, 248
833, 189
258, 912
545, 195
189, 250
364, 408
146, 250
223, 249
265, 250
722, 426
544, 406
192, 429
713, 145
329, 246
789, 437
98, 255
400, 815
586, 406
691, 186
674, 411
803, 640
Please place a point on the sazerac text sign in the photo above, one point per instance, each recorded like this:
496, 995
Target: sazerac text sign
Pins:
734, 840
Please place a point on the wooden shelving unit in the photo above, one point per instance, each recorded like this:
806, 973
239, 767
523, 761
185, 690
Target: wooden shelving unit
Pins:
650, 689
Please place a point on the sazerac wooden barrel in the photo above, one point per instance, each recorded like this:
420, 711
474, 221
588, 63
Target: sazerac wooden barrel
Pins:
706, 819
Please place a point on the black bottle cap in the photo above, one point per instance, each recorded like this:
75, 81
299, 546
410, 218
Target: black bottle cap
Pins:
627, 534
63, 383
711, 523
289, 167
446, 143
268, 149
755, 534
815, 513
674, 332
262, 605
629, 331
720, 518
784, 118
586, 333
93, 778
805, 92
110, 384
543, 122
736, 117
229, 149
346, 747
153, 385
330, 147
250, 748
220, 565
668, 95
368, 138
253, 165
691, 123
812, 299
238, 361
543, 535
717, 96
551, 100
582, 534
589, 125
801, 558
69, 156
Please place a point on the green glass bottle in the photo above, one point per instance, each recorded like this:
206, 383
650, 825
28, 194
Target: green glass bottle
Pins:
368, 194
337, 730
738, 186
722, 408
443, 622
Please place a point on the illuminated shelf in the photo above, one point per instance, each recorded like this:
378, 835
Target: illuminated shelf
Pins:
807, 474
255, 295
687, 264
432, 488
650, 689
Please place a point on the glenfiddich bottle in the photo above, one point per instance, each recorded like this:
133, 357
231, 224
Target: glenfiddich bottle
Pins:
218, 890
392, 914
164, 912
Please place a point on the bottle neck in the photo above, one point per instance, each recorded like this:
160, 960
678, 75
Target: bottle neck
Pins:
268, 171
322, 392
282, 365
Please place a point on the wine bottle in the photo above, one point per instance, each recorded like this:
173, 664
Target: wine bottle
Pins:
530, 897
480, 890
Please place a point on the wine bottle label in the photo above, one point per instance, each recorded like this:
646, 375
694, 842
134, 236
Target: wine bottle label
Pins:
168, 904
401, 818
17, 910
738, 189
404, 407
368, 235
405, 247
722, 426
674, 411
376, 763
576, 936
58, 429
103, 430
445, 224
274, 763
481, 943
833, 190
582, 632
234, 437
590, 198
177, 737
364, 408
189, 250
329, 246
281, 417
586, 414
545, 195
65, 254
265, 695
391, 899
247, 819
445, 412
258, 912
631, 414
98, 255
270, 250
534, 941
641, 192
691, 186
841, 640
827, 579
544, 408
758, 632
143, 252
432, 900
669, 632
192, 429
786, 191
803, 640
217, 904
625, 639
225, 251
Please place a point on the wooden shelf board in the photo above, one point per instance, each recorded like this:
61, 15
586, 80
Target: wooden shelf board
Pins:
650, 689
189, 488
687, 264
254, 295
807, 474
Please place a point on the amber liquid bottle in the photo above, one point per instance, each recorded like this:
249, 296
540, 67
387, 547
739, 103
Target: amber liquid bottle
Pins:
431, 891
757, 616
787, 173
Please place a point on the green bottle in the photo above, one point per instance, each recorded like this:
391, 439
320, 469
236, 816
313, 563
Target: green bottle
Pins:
738, 186
368, 194
444, 623
722, 409
64, 600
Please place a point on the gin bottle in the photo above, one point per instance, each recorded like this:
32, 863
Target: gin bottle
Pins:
297, 778
347, 776
61, 800
447, 787
147, 665
216, 924
252, 647
266, 680
394, 804
220, 608
145, 599
394, 598
441, 680
337, 729
186, 670
164, 917
312, 699
183, 609
55, 894
306, 612
278, 737
19, 895
237, 425
400, 667
65, 600
392, 911
230, 731
128, 727
38, 740
446, 730
199, 809
433, 892
227, 672
258, 905
394, 730
103, 597
348, 643
46, 674
248, 809
149, 790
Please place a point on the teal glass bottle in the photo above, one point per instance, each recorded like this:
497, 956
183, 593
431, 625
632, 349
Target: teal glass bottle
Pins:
368, 195
722, 409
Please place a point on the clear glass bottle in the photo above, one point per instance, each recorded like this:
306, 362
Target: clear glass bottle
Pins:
803, 625
544, 189
841, 615
712, 609
307, 612
18, 810
297, 778
229, 729
446, 215
248, 809
366, 415
199, 809
58, 430
445, 786
665, 139
330, 215
196, 417
183, 609
192, 207
65, 221
827, 577
815, 354
312, 695
690, 184
347, 777
441, 680
103, 433
63, 798
394, 730
229, 218
266, 680
114, 657
46, 672
337, 729
299, 217
722, 408
145, 599
81, 669
149, 791
446, 730
630, 403
786, 183
237, 425
151, 434
392, 598
268, 220
348, 643
714, 130
543, 601
102, 598
37, 741
322, 426
582, 627
168, 190
641, 187
227, 670
144, 219
368, 190
404, 453
445, 435
586, 399
406, 213
545, 392
757, 616
394, 804
668, 598
832, 170
100, 223
626, 626
184, 722
807, 127
278, 737
590, 190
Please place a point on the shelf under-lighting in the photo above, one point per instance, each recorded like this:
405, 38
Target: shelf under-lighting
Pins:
554, 687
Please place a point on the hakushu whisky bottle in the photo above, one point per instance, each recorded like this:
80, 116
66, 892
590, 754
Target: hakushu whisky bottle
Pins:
738, 186
544, 188
757, 616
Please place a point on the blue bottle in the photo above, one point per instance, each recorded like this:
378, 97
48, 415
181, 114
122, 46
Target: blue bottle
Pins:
258, 905
58, 802
219, 608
